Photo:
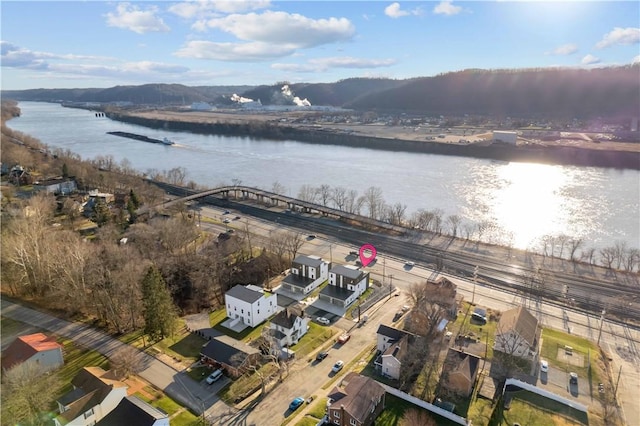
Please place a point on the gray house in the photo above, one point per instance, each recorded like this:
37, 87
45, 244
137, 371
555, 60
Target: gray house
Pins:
307, 273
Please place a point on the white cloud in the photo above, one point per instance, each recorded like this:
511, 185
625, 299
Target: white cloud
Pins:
323, 64
446, 7
266, 36
135, 19
620, 36
565, 49
199, 8
240, 52
282, 27
394, 11
14, 56
636, 60
590, 60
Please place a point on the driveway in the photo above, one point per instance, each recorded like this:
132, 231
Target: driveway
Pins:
177, 384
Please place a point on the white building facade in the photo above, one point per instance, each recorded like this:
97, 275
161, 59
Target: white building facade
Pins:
250, 304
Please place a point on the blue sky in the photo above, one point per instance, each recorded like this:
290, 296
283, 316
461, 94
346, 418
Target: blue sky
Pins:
66, 44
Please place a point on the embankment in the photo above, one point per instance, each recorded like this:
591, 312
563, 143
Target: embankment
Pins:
566, 155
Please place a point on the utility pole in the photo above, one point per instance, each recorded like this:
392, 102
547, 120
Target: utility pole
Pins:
384, 268
601, 324
475, 278
390, 285
615, 392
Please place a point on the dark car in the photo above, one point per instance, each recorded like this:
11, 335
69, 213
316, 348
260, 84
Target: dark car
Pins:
296, 403
573, 378
321, 356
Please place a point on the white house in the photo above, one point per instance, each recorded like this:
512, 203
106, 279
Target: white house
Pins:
289, 325
506, 137
95, 394
518, 333
346, 284
306, 274
250, 304
392, 346
134, 411
62, 186
36, 349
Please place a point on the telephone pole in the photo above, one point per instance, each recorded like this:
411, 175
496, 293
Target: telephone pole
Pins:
601, 324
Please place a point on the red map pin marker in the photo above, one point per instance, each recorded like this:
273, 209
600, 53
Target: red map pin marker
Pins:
367, 254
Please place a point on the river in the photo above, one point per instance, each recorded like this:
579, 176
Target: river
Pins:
525, 201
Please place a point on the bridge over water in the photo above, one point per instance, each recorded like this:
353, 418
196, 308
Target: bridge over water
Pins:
269, 199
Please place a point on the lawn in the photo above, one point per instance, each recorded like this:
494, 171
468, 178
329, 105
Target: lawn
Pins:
480, 411
167, 405
552, 340
394, 409
464, 325
186, 418
246, 384
319, 408
75, 358
216, 319
10, 327
306, 421
315, 337
534, 410
185, 346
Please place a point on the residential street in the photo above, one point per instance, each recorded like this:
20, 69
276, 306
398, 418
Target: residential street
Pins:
162, 375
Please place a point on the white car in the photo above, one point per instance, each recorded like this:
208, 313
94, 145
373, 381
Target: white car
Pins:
214, 377
338, 366
323, 320
544, 366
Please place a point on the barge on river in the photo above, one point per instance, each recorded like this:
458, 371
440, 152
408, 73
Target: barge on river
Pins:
142, 138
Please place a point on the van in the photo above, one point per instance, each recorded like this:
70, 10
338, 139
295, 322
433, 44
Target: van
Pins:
214, 377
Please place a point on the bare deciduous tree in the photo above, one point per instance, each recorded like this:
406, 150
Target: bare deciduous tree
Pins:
126, 361
323, 194
416, 417
307, 193
339, 197
373, 200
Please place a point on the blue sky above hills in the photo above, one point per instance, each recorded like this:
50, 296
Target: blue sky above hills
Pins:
63, 44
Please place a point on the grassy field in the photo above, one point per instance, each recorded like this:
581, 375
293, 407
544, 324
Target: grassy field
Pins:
480, 411
246, 384
464, 325
552, 340
526, 408
316, 336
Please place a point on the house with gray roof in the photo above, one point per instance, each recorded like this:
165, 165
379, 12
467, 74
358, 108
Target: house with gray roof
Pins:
234, 356
289, 325
346, 284
249, 304
306, 274
134, 411
95, 394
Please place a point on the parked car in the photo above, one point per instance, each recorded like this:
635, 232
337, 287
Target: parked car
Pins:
311, 237
410, 263
214, 377
353, 253
296, 403
544, 366
323, 320
573, 378
237, 218
338, 366
226, 221
344, 338
321, 356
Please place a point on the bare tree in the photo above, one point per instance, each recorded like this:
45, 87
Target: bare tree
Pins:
307, 193
632, 260
353, 203
396, 213
324, 194
608, 256
278, 188
372, 199
574, 245
176, 176
125, 362
27, 393
620, 249
294, 241
454, 222
339, 197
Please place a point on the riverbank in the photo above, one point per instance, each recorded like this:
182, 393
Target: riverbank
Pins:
390, 138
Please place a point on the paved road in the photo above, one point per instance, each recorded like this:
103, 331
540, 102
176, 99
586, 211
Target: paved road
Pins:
174, 383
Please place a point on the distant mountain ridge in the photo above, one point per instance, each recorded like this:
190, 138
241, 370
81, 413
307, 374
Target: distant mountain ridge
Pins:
545, 92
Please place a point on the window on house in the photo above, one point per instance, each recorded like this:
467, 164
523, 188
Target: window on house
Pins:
88, 414
336, 414
258, 311
336, 422
242, 311
353, 422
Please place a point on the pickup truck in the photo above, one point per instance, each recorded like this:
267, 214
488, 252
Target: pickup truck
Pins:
344, 338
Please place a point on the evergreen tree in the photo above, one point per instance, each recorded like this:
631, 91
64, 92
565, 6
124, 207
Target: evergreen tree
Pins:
160, 314
133, 198
65, 170
101, 213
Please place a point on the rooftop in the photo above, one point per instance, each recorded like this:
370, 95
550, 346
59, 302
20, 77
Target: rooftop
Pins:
348, 271
245, 293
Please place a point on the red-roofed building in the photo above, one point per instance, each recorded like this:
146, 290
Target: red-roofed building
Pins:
36, 348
